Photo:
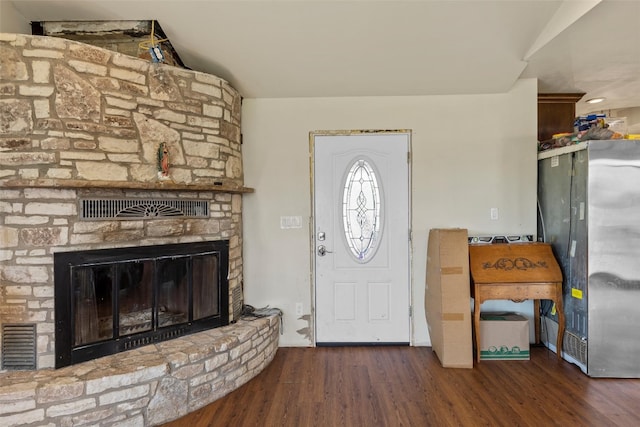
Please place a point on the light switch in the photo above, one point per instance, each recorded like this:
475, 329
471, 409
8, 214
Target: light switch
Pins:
494, 213
287, 222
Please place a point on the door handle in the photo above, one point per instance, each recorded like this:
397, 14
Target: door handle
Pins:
322, 251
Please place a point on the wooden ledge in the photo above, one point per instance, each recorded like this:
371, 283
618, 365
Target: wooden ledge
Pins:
125, 185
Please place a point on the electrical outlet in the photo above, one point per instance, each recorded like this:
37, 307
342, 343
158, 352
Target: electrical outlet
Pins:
299, 309
494, 213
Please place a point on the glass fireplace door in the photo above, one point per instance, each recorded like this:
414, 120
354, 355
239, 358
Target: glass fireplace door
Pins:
114, 300
135, 296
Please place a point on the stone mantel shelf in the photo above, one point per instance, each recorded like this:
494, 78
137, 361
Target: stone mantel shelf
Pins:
125, 185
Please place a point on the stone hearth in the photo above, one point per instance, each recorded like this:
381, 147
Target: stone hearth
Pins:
143, 387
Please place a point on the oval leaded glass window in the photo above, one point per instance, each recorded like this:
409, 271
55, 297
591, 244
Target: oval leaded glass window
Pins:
361, 210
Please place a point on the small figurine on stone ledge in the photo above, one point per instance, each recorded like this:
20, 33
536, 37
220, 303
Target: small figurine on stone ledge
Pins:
163, 161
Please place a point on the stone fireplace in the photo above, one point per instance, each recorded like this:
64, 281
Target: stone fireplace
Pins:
137, 167
81, 125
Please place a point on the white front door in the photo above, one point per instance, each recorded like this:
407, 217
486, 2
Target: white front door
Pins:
361, 238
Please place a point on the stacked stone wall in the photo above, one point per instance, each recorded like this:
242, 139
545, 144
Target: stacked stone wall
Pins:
72, 111
72, 115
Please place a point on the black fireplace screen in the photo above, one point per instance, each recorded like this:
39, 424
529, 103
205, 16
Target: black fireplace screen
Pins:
117, 299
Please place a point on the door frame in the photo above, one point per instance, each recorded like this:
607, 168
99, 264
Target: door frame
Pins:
312, 222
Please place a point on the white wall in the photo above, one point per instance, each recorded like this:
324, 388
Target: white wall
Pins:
11, 21
470, 153
633, 117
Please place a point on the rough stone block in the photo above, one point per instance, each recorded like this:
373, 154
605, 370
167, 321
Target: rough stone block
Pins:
89, 53
170, 116
117, 121
41, 71
76, 98
11, 65
116, 145
124, 236
49, 193
60, 390
26, 220
121, 103
206, 378
241, 349
182, 175
201, 149
133, 421
7, 89
23, 418
206, 89
203, 122
216, 361
42, 53
124, 158
45, 236
188, 371
14, 144
88, 67
213, 111
28, 173
17, 406
101, 171
43, 292
196, 162
24, 274
88, 419
55, 144
234, 168
133, 405
48, 42
59, 173
123, 394
55, 209
170, 401
16, 116
42, 91
6, 255
164, 228
71, 407
129, 62
8, 237
128, 75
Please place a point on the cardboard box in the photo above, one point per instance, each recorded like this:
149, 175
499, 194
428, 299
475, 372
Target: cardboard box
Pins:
447, 297
504, 336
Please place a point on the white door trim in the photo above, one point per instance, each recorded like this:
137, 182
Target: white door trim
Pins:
312, 242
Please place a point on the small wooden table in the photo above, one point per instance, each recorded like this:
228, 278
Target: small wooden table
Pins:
517, 272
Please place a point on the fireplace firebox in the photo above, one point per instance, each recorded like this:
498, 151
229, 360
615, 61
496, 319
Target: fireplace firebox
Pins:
112, 300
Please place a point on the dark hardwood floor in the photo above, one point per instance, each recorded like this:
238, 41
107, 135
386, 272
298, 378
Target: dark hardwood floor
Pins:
406, 386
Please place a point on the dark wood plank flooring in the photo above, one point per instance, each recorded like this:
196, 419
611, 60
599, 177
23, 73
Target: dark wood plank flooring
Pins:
406, 386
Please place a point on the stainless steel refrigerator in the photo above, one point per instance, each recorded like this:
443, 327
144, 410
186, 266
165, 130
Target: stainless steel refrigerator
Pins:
589, 210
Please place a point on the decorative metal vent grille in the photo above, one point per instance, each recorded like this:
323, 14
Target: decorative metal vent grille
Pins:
19, 346
109, 209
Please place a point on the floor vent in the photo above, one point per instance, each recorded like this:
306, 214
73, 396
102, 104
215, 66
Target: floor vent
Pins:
110, 209
19, 346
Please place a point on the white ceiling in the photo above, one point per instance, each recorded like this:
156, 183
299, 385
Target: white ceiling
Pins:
333, 48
